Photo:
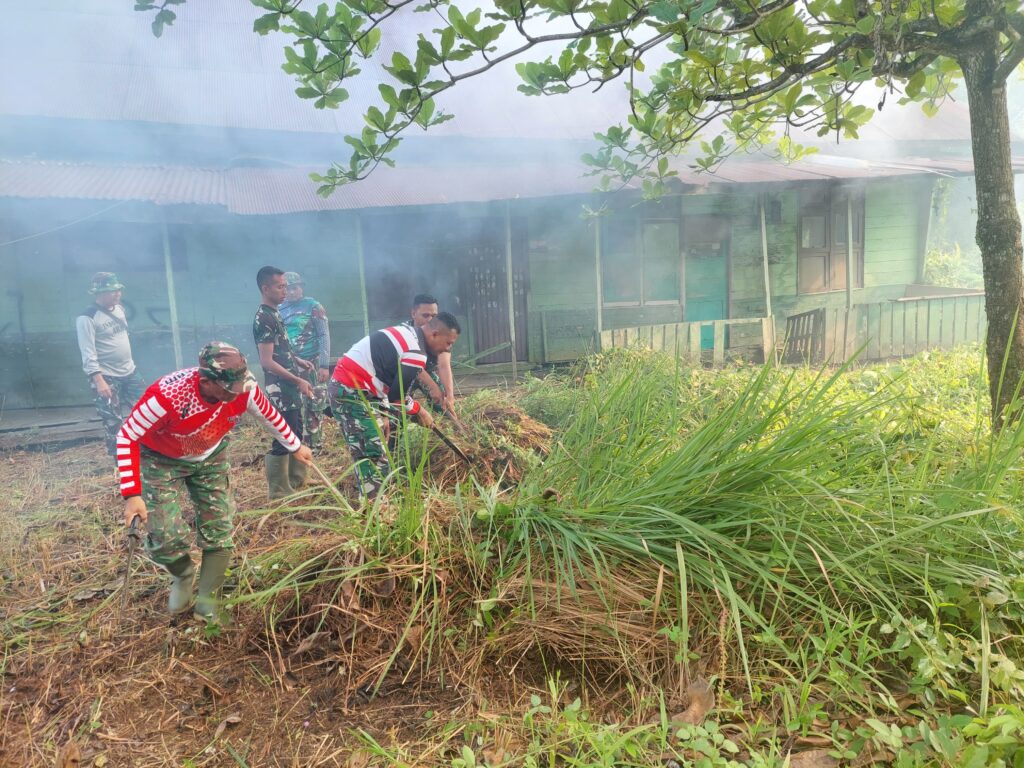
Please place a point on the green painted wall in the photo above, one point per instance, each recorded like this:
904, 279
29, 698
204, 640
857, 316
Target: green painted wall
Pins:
562, 297
216, 256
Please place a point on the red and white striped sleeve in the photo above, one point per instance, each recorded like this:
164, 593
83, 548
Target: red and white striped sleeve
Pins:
147, 414
259, 406
415, 361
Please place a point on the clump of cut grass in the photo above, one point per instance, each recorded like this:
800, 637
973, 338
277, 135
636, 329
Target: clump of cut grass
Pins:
784, 507
502, 441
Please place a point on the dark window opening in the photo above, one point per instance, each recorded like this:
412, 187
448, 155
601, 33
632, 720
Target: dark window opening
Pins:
822, 237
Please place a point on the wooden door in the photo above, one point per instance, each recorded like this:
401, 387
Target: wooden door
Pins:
706, 260
485, 290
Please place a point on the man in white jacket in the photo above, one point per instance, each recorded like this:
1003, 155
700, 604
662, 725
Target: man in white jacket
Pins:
107, 355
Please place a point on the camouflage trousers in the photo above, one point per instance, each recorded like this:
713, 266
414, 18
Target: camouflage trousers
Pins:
287, 399
209, 488
125, 391
313, 411
362, 424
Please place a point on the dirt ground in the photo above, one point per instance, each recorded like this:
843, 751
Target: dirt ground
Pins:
87, 684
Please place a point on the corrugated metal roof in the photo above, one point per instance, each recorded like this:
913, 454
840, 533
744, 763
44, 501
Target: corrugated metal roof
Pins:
255, 191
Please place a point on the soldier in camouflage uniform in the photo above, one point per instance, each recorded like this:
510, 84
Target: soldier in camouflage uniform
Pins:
283, 372
310, 335
371, 385
175, 437
365, 426
436, 380
107, 354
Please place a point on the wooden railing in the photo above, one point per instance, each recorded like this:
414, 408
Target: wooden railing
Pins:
887, 329
804, 337
685, 339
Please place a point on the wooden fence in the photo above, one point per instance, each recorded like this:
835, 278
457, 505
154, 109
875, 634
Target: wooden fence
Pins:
684, 339
884, 330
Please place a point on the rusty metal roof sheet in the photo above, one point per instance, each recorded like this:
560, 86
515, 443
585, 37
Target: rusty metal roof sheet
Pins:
254, 191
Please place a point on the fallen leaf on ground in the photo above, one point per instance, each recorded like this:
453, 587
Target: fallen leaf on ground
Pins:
310, 642
414, 637
702, 701
384, 586
815, 758
494, 756
70, 756
232, 719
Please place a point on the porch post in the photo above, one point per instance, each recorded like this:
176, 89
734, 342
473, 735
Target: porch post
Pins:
509, 288
849, 272
764, 261
362, 274
767, 280
172, 301
598, 298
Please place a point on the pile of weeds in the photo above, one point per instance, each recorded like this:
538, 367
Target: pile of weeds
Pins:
503, 442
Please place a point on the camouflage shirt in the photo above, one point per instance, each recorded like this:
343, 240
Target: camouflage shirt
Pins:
268, 328
306, 323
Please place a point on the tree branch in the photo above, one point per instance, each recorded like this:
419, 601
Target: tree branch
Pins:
1016, 54
818, 62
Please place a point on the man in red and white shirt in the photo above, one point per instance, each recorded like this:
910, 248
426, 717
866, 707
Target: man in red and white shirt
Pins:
174, 436
370, 383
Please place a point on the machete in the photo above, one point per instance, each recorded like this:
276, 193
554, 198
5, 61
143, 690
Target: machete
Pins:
133, 544
450, 444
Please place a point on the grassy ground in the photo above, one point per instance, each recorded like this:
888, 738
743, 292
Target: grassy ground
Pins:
716, 568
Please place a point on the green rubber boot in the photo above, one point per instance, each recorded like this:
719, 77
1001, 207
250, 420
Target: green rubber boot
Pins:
211, 579
181, 571
296, 472
277, 476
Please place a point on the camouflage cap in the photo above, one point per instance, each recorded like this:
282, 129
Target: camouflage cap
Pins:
293, 278
104, 281
222, 363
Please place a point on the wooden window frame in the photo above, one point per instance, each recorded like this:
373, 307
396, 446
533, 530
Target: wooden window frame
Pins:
638, 249
828, 205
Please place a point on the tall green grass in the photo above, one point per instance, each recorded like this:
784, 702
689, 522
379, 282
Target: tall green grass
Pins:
800, 501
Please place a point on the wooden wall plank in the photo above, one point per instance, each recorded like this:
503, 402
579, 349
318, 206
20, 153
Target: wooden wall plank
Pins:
718, 351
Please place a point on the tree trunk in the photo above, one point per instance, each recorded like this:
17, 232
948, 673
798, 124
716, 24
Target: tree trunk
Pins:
999, 232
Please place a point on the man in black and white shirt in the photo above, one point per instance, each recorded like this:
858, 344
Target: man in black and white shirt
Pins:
371, 385
107, 355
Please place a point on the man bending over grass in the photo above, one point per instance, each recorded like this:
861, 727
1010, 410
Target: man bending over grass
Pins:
174, 437
369, 384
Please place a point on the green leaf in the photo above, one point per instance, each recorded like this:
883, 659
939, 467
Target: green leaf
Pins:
267, 23
665, 11
425, 113
866, 25
162, 19
369, 42
389, 95
447, 40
